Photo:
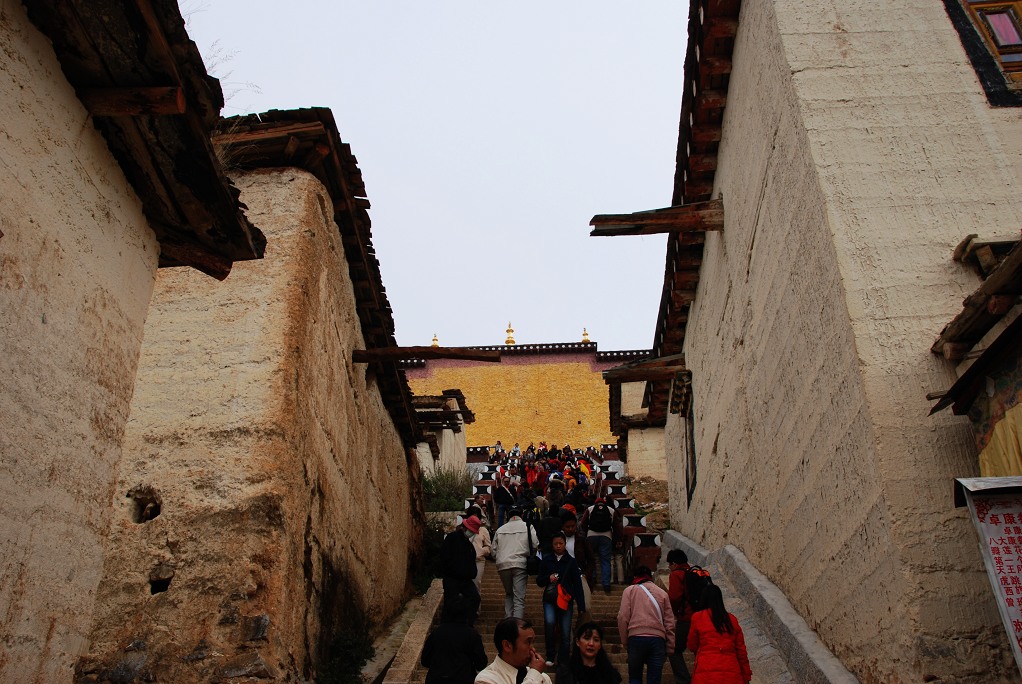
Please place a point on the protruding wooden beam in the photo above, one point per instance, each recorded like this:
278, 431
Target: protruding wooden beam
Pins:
680, 298
699, 217
179, 254
711, 99
660, 368
133, 101
403, 353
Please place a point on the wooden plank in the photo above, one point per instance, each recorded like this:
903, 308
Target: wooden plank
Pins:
698, 163
133, 101
638, 375
720, 27
711, 99
969, 326
706, 134
714, 66
399, 353
311, 129
201, 260
680, 298
701, 217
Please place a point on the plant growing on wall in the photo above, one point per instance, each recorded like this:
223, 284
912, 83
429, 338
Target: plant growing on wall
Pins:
445, 489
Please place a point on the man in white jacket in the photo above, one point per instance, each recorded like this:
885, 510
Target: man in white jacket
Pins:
511, 550
516, 655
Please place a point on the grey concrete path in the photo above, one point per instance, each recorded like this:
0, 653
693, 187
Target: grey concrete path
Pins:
785, 648
768, 666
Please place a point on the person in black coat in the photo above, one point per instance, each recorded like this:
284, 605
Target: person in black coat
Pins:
559, 569
453, 651
458, 565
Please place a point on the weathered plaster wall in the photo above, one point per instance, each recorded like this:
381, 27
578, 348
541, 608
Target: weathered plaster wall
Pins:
453, 449
426, 461
284, 484
555, 398
857, 151
631, 398
77, 263
646, 453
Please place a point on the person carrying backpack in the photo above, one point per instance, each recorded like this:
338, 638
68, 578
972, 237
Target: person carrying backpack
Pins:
599, 523
677, 591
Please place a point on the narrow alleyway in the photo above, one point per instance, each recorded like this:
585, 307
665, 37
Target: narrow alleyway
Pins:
768, 666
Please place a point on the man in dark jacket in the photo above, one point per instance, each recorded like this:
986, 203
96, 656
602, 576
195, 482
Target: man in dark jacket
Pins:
503, 500
453, 652
458, 558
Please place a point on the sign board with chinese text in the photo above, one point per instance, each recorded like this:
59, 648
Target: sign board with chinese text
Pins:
996, 508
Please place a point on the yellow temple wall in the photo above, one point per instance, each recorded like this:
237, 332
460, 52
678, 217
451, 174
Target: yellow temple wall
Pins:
555, 397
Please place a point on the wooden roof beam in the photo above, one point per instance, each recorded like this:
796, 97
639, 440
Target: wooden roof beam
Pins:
663, 367
404, 353
698, 217
133, 101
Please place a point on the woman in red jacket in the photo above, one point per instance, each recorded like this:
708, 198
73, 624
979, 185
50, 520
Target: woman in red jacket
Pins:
718, 642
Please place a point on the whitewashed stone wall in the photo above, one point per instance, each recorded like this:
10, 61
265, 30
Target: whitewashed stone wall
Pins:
77, 264
283, 482
646, 453
858, 150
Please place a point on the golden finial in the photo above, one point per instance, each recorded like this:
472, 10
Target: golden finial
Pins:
510, 334
436, 340
585, 336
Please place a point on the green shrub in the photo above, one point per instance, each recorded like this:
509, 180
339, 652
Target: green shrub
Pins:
445, 489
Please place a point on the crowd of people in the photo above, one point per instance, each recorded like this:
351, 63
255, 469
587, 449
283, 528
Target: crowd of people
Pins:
553, 522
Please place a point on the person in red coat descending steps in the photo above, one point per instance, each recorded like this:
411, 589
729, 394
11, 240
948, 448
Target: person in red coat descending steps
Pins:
718, 642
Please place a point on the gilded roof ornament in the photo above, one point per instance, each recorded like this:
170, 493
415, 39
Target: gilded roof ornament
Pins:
585, 336
510, 334
436, 341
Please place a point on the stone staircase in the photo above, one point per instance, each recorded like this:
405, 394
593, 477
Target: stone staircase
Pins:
640, 546
604, 611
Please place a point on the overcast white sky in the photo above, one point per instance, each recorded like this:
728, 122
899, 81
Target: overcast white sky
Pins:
488, 135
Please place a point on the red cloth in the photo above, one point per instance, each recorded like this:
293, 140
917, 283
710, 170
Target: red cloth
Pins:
720, 658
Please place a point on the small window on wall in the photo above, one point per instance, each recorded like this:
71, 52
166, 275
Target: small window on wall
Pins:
991, 33
690, 452
1000, 26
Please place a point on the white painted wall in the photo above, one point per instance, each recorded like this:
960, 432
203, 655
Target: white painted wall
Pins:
77, 263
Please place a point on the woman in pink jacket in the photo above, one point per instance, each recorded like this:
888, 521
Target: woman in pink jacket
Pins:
718, 642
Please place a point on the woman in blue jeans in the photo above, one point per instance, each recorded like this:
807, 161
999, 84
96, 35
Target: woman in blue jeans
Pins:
646, 624
559, 570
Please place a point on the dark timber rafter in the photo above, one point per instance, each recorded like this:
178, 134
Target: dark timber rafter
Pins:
661, 368
685, 218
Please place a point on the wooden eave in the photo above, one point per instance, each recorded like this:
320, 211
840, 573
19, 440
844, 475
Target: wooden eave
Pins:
973, 381
308, 139
712, 27
646, 369
137, 72
982, 309
467, 415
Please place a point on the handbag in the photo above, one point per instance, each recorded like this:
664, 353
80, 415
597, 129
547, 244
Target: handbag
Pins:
550, 593
532, 562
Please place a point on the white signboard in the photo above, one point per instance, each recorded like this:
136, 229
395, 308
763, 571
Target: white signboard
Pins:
997, 515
